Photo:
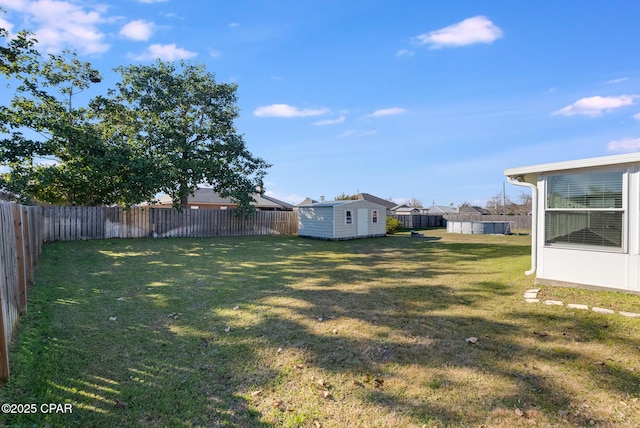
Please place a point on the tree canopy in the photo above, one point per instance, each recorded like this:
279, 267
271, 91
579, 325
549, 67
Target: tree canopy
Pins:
164, 128
183, 120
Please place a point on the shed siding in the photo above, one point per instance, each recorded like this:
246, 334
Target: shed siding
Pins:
315, 222
344, 231
328, 221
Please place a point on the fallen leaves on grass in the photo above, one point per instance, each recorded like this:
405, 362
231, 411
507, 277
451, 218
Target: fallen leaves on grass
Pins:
206, 341
323, 383
541, 333
121, 404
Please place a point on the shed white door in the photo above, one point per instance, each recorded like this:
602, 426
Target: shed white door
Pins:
363, 221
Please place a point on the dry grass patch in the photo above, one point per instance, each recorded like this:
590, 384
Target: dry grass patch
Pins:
282, 331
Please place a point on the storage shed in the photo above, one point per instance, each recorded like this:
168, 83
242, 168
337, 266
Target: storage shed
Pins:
341, 220
586, 221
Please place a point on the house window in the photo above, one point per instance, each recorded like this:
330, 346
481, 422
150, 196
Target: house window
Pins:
585, 209
374, 216
348, 218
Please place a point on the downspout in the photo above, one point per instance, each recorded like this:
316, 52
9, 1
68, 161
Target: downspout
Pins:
534, 220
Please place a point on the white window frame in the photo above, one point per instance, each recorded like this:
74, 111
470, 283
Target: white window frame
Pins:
348, 217
624, 209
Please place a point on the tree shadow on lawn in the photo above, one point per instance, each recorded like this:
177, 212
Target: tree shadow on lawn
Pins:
200, 325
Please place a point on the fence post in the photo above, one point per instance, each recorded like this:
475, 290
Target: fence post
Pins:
20, 256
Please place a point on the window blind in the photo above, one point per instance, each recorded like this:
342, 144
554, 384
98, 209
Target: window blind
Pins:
593, 190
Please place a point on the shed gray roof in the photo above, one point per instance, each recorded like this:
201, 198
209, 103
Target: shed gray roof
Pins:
337, 203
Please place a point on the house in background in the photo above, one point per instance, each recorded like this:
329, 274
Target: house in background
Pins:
205, 198
376, 200
441, 210
341, 220
407, 210
585, 221
469, 209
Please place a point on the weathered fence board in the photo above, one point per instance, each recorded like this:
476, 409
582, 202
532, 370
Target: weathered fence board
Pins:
73, 223
20, 246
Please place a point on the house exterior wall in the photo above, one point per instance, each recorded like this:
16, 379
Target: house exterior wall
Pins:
597, 267
328, 221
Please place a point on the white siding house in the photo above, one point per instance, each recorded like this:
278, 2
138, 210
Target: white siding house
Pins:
340, 220
586, 221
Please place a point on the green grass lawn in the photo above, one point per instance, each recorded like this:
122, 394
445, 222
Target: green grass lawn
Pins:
283, 331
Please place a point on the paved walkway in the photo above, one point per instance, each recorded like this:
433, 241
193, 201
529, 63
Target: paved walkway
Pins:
531, 296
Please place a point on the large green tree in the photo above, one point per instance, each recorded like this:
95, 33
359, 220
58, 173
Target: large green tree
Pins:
183, 120
56, 147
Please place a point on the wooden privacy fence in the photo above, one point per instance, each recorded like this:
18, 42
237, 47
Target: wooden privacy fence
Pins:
20, 247
73, 223
420, 221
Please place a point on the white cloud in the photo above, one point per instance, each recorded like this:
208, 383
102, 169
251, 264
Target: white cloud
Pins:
387, 112
624, 145
168, 52
234, 24
620, 80
594, 106
478, 29
357, 133
636, 116
285, 110
6, 25
151, 1
60, 24
335, 121
137, 30
405, 53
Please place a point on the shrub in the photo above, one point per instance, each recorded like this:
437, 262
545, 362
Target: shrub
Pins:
393, 225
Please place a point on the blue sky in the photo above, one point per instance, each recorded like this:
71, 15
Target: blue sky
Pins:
401, 99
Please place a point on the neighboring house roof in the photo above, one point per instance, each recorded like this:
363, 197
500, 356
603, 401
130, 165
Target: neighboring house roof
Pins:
307, 201
371, 198
397, 207
204, 195
261, 200
468, 209
441, 209
405, 209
